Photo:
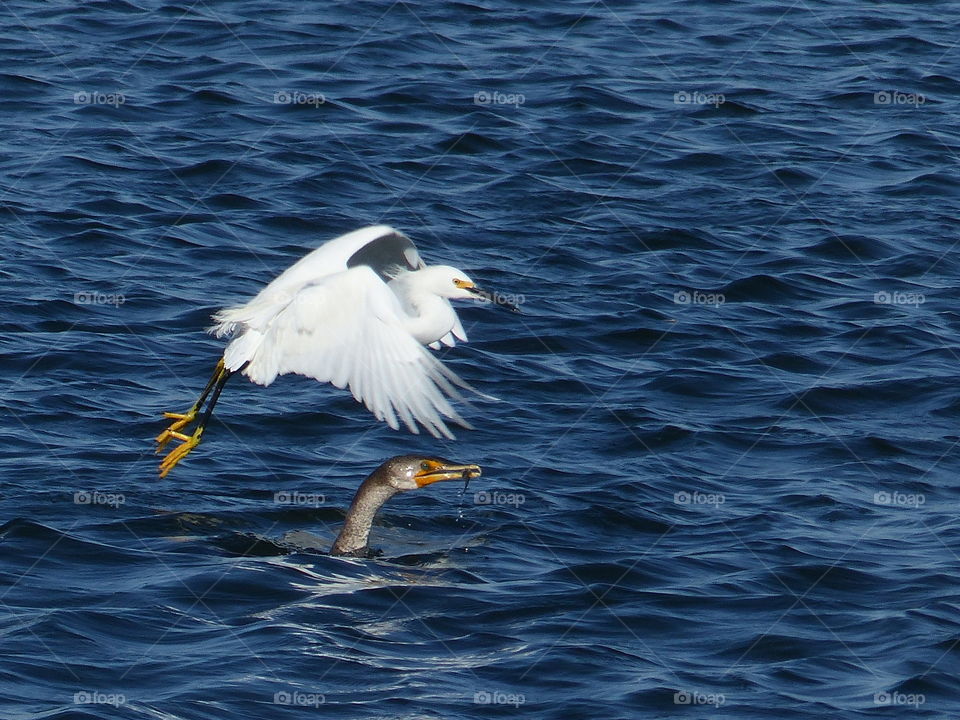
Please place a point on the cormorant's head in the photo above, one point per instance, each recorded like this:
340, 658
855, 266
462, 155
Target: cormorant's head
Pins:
409, 472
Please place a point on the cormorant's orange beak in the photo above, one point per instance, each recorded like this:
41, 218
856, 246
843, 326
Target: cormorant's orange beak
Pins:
437, 470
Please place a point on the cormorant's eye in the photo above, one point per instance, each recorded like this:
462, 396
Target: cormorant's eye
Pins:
424, 465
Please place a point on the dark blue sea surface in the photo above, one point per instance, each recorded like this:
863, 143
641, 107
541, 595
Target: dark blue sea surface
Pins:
723, 477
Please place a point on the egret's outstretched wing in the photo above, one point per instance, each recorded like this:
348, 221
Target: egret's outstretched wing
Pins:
385, 250
390, 253
346, 329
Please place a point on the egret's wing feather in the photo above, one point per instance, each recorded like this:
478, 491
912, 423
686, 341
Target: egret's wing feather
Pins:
458, 330
387, 255
382, 243
347, 329
387, 247
456, 333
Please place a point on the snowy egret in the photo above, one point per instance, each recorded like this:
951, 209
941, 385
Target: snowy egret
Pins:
398, 474
356, 312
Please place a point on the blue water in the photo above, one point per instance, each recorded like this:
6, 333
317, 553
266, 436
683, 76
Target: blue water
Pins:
724, 470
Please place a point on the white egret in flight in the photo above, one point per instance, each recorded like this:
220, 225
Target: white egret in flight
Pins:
356, 312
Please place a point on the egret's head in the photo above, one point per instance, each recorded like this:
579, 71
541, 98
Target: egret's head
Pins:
449, 282
409, 472
446, 281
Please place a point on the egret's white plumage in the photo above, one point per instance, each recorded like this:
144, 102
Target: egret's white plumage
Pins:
357, 312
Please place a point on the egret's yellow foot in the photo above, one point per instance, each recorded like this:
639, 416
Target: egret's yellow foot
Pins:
189, 442
185, 418
165, 437
182, 420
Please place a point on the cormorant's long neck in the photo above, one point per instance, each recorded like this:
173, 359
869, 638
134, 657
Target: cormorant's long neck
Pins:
373, 493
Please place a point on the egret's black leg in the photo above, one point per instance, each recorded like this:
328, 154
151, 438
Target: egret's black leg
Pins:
206, 391
184, 419
221, 381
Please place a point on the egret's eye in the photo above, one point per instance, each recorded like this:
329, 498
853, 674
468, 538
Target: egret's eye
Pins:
424, 465
457, 281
